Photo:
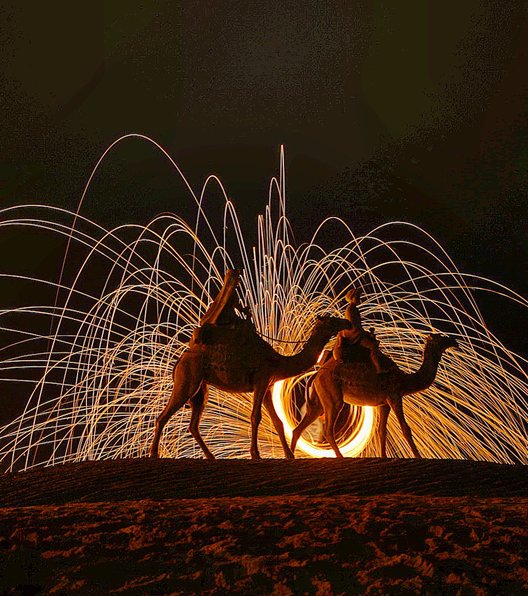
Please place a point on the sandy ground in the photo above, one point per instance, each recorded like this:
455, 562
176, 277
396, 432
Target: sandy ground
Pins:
303, 527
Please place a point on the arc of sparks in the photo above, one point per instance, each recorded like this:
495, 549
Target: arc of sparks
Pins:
128, 310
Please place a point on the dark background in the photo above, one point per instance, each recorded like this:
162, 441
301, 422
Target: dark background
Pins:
408, 110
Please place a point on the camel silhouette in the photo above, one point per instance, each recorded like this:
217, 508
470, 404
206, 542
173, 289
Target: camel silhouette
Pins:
227, 352
356, 381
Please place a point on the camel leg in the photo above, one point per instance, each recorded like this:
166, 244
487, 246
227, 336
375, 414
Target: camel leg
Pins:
331, 399
313, 411
397, 405
197, 404
384, 415
261, 387
331, 415
187, 378
277, 423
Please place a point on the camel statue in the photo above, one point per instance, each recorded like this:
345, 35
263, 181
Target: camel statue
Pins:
356, 381
227, 352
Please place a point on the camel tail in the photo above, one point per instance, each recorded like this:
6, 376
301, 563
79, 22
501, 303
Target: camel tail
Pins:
312, 397
186, 404
176, 364
313, 410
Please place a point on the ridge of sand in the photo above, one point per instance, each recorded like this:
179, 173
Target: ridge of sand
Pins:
138, 479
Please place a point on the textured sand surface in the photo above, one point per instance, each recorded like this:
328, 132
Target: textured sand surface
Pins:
309, 526
136, 479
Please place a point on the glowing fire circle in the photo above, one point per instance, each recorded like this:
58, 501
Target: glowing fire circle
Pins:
351, 444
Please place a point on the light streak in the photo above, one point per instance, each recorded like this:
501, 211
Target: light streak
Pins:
137, 292
352, 445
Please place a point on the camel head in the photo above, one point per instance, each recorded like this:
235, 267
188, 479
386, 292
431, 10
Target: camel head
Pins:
439, 343
331, 326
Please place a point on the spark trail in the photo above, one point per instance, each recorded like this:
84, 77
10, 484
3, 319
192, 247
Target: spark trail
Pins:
136, 293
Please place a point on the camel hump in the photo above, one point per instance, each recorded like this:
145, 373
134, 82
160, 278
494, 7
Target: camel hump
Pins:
236, 334
354, 352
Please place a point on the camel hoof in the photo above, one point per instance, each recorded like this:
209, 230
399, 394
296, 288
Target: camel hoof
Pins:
210, 456
289, 454
256, 456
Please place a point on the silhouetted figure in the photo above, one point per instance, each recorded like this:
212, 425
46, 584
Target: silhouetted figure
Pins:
356, 334
223, 310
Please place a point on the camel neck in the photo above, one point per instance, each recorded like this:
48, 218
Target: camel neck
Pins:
425, 375
306, 357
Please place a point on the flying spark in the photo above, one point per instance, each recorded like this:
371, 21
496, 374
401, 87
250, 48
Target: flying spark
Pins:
122, 319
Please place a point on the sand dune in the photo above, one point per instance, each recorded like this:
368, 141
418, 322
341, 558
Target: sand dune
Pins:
135, 479
307, 526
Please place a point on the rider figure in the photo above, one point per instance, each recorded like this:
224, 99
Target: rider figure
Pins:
356, 334
223, 310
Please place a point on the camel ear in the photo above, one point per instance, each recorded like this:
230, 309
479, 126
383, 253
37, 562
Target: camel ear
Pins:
319, 317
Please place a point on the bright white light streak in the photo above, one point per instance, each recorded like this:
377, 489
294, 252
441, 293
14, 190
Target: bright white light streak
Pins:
137, 292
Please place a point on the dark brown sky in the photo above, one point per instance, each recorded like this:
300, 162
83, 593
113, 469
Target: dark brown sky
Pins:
408, 110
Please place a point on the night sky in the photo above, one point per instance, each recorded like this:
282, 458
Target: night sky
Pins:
408, 110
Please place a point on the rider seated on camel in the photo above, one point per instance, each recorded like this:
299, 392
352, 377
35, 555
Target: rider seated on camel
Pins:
356, 334
223, 309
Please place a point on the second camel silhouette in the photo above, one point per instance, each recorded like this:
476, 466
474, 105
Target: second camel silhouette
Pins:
356, 382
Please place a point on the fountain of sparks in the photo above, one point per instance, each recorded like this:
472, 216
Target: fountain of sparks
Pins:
116, 327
